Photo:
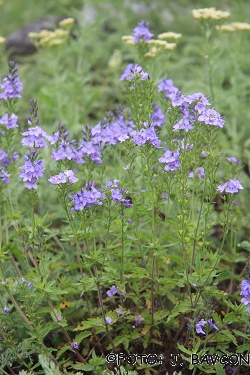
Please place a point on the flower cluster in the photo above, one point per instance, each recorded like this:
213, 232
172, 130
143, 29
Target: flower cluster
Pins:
245, 292
63, 178
118, 195
35, 137
134, 71
9, 121
65, 149
32, 169
110, 131
167, 86
87, 197
234, 26
171, 159
209, 13
146, 134
231, 186
158, 117
12, 87
4, 176
199, 172
201, 322
141, 32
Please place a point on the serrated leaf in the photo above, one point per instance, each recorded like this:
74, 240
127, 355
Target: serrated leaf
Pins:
82, 336
182, 307
90, 323
183, 349
83, 367
243, 348
219, 369
230, 318
159, 315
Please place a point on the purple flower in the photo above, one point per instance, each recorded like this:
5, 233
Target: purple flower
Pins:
183, 124
32, 169
231, 186
171, 159
9, 122
4, 176
123, 138
112, 291
116, 129
23, 281
119, 312
134, 71
245, 292
74, 345
199, 325
146, 135
33, 120
199, 171
211, 117
129, 221
245, 288
116, 195
30, 284
12, 87
91, 150
141, 32
198, 100
138, 320
87, 198
108, 320
6, 310
65, 147
211, 324
233, 160
158, 117
63, 178
59, 319
109, 184
35, 137
167, 86
177, 99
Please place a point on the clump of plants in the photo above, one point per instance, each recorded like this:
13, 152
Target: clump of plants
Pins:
142, 269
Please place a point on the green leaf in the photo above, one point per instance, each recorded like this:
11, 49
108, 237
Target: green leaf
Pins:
83, 367
82, 336
90, 323
182, 307
219, 369
159, 315
243, 348
183, 349
230, 318
245, 245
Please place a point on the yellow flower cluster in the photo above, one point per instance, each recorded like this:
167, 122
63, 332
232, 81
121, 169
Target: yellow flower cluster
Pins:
2, 39
169, 35
159, 45
128, 39
46, 38
234, 26
209, 13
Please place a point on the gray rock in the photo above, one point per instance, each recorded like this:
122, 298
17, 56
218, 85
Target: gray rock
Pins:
19, 44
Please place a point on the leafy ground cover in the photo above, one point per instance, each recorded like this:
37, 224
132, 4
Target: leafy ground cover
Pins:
124, 181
